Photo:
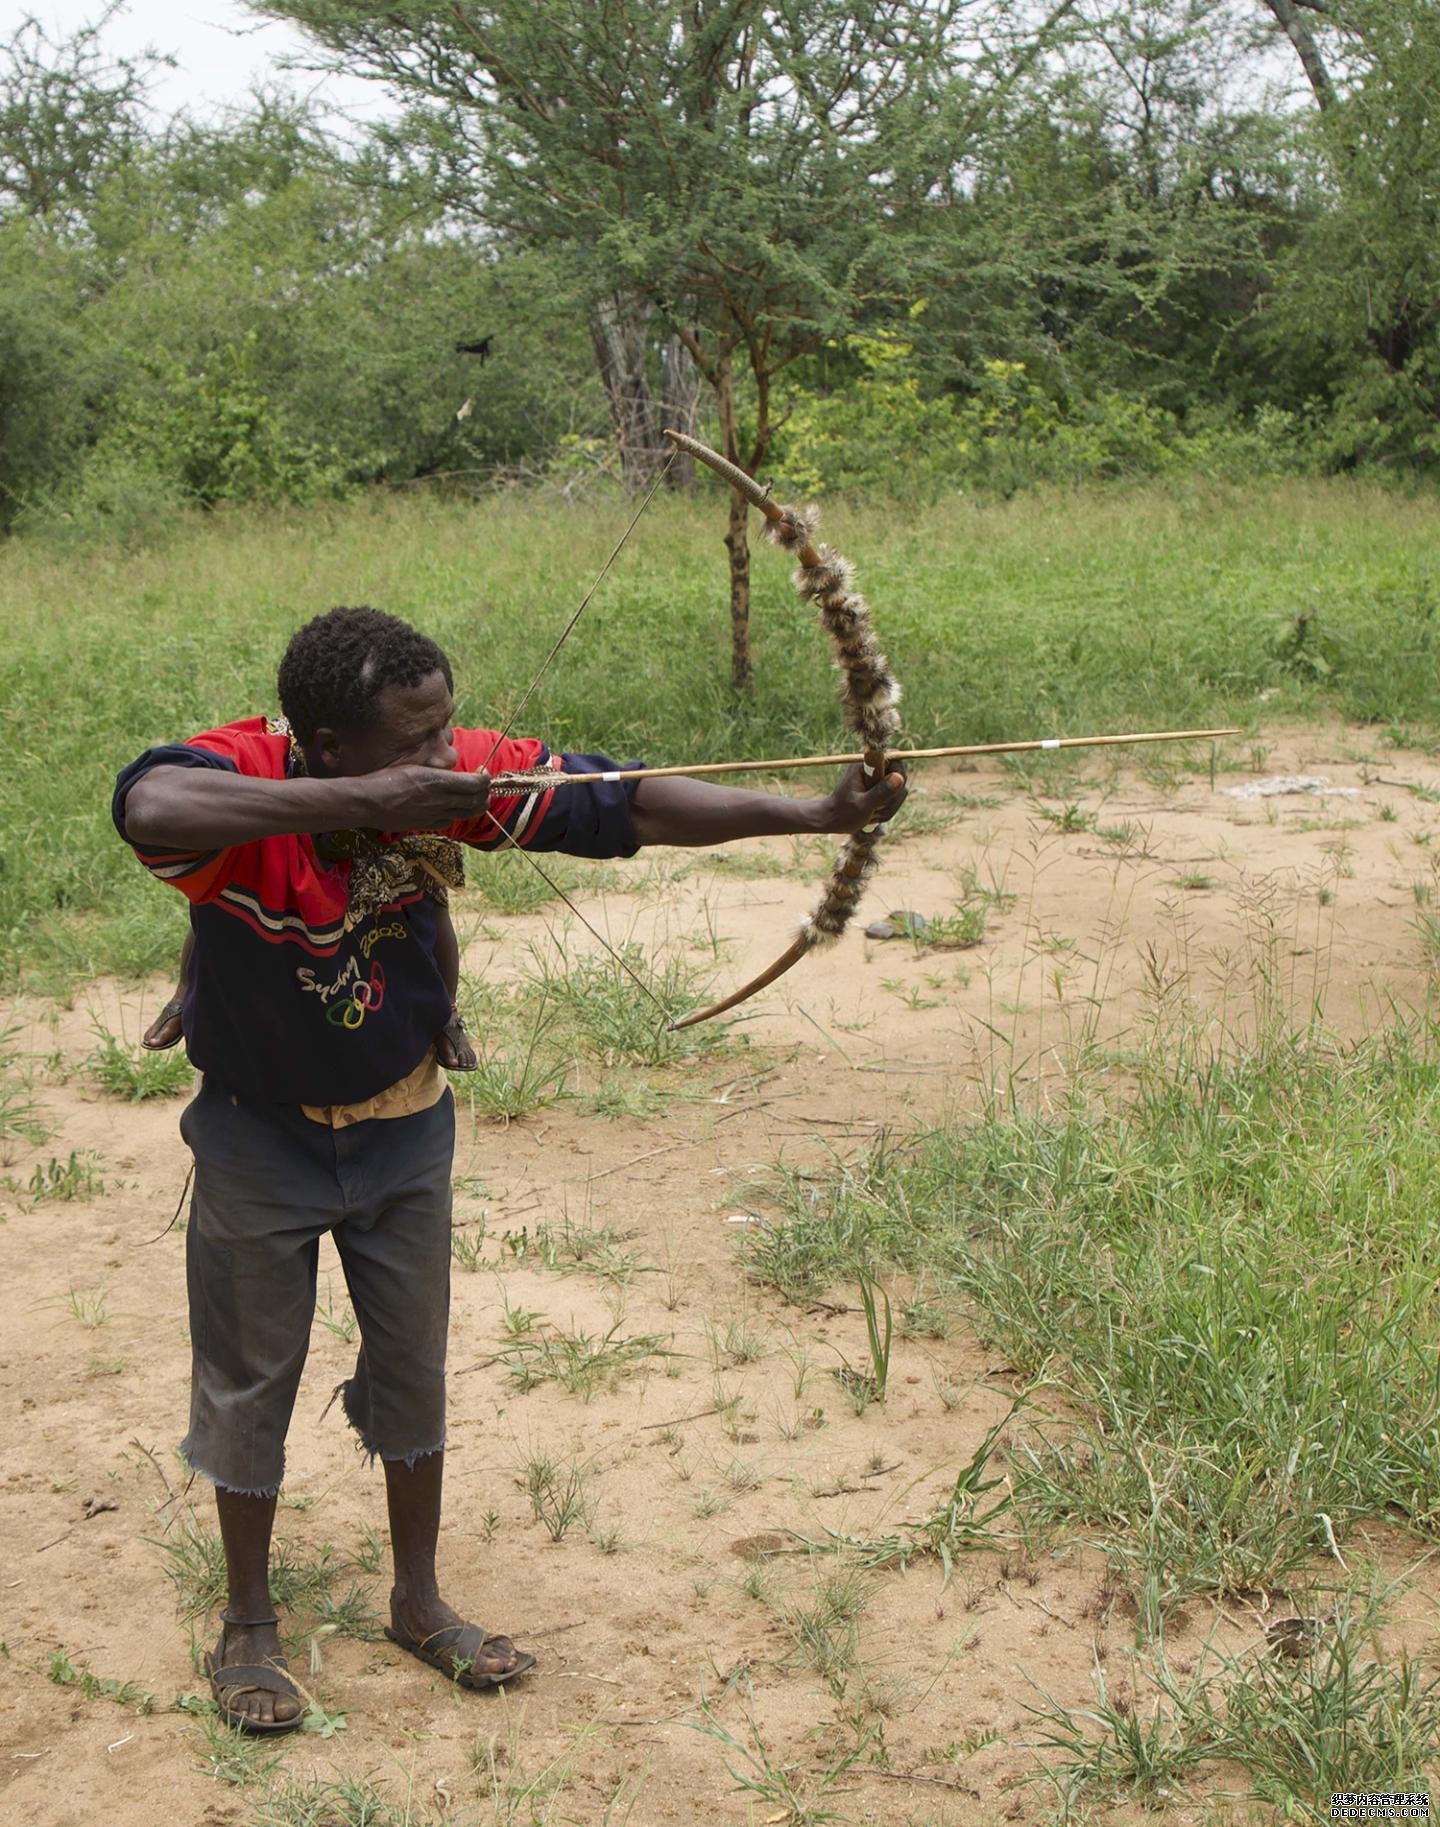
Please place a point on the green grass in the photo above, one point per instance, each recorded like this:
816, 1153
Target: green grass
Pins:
1053, 612
19, 1113
1227, 1275
1338, 1716
307, 1584
77, 1177
583, 1363
132, 1073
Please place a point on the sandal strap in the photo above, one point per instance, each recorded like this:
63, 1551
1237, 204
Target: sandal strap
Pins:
248, 1675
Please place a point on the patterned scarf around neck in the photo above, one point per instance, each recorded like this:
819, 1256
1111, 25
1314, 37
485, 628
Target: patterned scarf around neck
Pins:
382, 873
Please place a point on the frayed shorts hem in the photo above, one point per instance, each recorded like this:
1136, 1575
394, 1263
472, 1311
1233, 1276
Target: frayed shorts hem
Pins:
223, 1484
408, 1460
373, 1449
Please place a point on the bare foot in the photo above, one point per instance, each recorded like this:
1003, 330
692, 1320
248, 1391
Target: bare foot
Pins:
252, 1645
453, 1048
165, 1030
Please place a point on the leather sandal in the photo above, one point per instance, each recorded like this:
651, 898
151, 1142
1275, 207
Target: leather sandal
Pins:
227, 1683
457, 1648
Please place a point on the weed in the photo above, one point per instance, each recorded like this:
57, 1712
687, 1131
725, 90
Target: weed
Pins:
349, 1801
1070, 818
1115, 1746
1334, 1716
923, 1318
65, 1672
581, 1362
579, 1246
623, 1096
468, 1252
910, 994
370, 1556
75, 1178
135, 1073
519, 1322
19, 1120
825, 1628
228, 1756
1128, 838
781, 1788
1426, 926
194, 1558
556, 1489
509, 1083
957, 932
343, 1322
877, 1332
87, 1305
304, 1581
990, 893
744, 1341
957, 1524
613, 1022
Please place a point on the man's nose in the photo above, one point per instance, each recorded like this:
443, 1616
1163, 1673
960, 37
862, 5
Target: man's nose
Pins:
442, 753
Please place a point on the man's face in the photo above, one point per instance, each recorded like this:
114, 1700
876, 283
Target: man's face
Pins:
414, 729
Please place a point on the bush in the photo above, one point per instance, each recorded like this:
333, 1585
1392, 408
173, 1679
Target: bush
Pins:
115, 495
881, 432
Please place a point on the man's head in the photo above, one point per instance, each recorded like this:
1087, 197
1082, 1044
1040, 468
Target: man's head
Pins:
362, 690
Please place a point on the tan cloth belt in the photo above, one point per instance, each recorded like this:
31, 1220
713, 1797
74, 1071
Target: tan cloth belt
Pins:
417, 1091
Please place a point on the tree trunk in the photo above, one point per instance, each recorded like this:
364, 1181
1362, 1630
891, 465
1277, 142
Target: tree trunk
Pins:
618, 327
679, 405
737, 543
1298, 32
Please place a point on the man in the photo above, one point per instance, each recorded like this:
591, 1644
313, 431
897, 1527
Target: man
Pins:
311, 1008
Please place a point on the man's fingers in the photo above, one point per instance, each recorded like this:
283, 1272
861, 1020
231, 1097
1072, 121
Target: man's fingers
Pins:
890, 791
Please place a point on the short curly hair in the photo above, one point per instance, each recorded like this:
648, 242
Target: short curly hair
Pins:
337, 665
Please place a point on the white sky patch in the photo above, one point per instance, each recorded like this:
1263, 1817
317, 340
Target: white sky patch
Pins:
221, 51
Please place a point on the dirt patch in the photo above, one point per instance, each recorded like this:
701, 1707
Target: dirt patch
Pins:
715, 1471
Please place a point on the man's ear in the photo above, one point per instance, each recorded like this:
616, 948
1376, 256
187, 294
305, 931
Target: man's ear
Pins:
328, 750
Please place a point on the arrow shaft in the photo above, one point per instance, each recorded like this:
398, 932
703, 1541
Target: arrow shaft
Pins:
831, 761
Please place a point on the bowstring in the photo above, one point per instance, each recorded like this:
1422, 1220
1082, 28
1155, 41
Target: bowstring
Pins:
568, 629
529, 693
555, 888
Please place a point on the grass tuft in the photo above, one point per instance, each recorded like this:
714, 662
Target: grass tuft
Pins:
133, 1073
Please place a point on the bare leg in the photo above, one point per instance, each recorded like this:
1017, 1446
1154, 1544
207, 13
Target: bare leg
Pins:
246, 1524
414, 1495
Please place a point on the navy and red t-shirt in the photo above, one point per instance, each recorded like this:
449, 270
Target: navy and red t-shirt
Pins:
284, 1005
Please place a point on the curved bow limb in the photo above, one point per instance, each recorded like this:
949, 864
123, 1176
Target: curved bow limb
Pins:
871, 697
792, 954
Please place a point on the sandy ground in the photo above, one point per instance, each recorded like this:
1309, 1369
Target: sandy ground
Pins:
644, 1614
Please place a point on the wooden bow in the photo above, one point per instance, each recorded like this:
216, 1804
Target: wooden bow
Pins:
871, 700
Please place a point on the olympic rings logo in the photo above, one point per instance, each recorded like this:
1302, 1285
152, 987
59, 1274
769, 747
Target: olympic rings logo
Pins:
367, 997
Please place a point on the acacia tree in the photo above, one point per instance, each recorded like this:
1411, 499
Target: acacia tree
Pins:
1365, 284
752, 178
70, 115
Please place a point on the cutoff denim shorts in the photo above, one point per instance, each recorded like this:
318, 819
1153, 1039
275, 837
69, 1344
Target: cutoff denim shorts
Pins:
269, 1183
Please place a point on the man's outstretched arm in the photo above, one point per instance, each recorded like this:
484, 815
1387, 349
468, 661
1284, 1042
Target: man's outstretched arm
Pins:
214, 809
694, 812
